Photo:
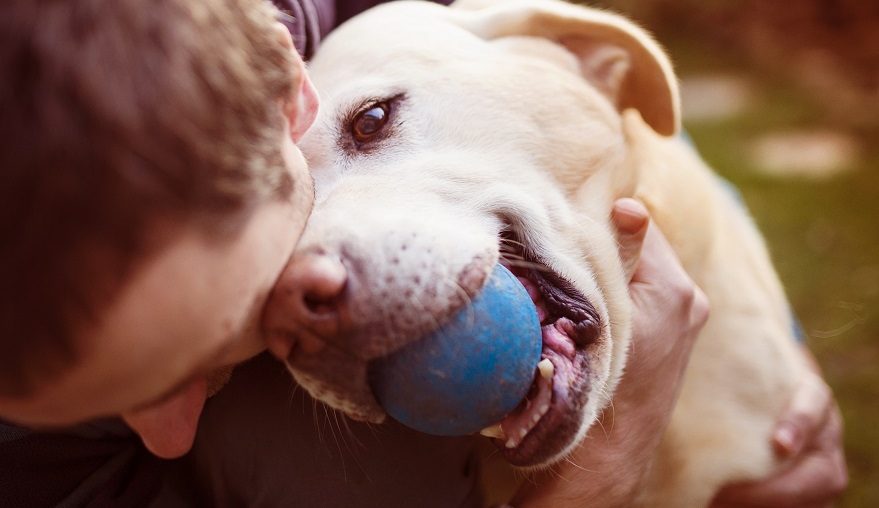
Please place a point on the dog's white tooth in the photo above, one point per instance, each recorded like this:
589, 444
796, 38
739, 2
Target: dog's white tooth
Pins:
511, 443
543, 409
546, 368
523, 433
494, 431
535, 418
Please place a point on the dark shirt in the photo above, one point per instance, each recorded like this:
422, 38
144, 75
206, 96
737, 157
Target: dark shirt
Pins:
309, 21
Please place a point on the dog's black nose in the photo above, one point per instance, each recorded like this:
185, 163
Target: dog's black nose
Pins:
306, 304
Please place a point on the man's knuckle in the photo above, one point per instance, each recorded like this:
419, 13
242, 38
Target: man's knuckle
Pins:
701, 306
838, 486
692, 302
684, 292
825, 393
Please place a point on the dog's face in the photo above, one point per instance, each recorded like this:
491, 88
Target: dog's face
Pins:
450, 140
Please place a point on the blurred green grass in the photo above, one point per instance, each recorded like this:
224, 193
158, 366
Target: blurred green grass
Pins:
824, 239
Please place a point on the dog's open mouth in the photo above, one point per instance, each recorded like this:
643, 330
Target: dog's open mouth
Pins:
549, 417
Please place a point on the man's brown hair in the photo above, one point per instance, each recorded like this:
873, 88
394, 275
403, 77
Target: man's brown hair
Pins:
113, 114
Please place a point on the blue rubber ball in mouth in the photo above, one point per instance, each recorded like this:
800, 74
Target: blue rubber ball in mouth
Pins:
472, 371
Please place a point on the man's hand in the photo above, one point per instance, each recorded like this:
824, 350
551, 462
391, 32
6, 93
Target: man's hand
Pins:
810, 435
669, 311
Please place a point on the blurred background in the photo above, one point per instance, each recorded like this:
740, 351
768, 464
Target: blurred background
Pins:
782, 98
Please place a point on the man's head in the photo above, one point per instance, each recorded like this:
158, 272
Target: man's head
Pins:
151, 195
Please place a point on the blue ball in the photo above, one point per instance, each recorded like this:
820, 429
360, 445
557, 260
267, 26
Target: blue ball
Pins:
472, 371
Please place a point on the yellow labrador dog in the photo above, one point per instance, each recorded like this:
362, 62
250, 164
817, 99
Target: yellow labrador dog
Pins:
450, 139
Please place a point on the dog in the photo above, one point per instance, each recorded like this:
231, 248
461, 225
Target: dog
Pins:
453, 138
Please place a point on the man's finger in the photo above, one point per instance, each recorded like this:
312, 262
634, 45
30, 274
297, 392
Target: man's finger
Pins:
631, 219
806, 413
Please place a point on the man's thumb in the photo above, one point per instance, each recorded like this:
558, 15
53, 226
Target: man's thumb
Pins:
630, 218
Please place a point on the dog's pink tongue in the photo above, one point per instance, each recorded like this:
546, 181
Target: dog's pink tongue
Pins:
168, 428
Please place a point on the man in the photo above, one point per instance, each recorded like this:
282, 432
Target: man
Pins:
153, 194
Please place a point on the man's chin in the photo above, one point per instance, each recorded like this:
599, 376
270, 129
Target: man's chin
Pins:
168, 427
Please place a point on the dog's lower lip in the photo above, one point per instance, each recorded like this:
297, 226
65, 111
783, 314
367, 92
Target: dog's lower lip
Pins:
558, 423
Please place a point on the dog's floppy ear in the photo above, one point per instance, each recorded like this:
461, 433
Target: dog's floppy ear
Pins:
619, 58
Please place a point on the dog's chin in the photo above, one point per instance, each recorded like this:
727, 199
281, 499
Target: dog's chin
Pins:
551, 419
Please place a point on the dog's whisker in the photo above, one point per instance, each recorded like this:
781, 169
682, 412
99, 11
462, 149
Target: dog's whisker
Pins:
326, 416
552, 470
522, 475
504, 240
511, 245
342, 419
531, 477
423, 309
352, 451
292, 397
601, 424
493, 453
336, 440
337, 417
578, 466
320, 436
527, 264
510, 250
456, 286
371, 427
335, 430
350, 431
511, 254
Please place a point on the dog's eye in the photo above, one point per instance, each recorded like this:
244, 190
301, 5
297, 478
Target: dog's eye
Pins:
370, 122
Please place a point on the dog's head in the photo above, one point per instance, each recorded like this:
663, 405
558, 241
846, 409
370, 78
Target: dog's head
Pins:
450, 139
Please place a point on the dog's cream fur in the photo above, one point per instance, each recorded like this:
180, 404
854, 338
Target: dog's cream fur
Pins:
540, 114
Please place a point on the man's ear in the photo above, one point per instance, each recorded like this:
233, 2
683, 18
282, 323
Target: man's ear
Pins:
301, 106
620, 59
